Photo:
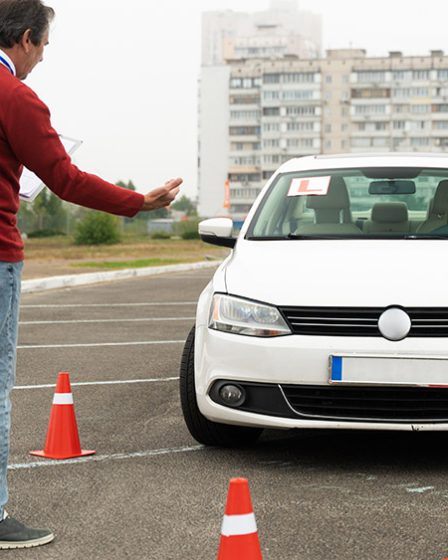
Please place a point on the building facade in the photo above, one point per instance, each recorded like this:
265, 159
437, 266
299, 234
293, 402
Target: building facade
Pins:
276, 109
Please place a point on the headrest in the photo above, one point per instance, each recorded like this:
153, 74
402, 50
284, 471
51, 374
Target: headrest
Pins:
440, 204
336, 198
390, 212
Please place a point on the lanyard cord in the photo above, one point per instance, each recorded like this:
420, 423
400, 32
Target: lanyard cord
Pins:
6, 63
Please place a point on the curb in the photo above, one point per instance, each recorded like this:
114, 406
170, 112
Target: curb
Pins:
55, 282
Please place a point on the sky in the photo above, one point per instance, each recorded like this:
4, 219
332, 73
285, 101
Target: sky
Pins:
123, 76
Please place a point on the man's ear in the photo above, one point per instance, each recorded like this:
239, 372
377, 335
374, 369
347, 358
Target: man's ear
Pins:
25, 41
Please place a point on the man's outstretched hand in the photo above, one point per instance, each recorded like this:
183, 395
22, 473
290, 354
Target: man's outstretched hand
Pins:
162, 196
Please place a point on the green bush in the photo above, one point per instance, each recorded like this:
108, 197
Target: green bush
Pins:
98, 228
160, 235
187, 230
193, 234
40, 233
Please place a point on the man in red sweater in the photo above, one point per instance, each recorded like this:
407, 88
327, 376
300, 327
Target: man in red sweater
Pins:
28, 139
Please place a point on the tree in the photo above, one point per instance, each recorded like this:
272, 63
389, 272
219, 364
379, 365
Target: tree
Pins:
47, 213
184, 204
129, 185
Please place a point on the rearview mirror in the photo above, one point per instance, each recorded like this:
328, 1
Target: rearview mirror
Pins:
217, 231
394, 186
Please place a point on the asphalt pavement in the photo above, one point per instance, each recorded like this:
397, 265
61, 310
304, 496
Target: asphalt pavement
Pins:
151, 492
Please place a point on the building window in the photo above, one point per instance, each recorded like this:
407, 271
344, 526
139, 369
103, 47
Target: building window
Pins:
271, 127
370, 93
244, 115
297, 94
271, 143
381, 126
418, 142
402, 75
420, 108
442, 74
360, 142
271, 111
270, 95
400, 108
410, 92
371, 76
399, 125
380, 142
299, 126
301, 111
271, 78
328, 79
298, 77
244, 130
244, 100
420, 75
369, 109
300, 143
440, 108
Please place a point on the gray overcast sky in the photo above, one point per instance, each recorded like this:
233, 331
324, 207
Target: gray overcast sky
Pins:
122, 76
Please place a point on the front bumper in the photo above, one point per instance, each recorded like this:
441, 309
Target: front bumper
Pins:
294, 361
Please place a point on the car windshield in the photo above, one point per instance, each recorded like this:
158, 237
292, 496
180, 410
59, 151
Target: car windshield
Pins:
355, 203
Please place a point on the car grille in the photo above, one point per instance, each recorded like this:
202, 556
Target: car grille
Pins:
393, 404
353, 321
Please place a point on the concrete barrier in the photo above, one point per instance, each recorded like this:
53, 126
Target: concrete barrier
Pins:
55, 282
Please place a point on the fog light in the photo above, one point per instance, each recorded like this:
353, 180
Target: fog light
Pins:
232, 395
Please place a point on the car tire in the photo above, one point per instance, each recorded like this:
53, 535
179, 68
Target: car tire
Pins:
205, 431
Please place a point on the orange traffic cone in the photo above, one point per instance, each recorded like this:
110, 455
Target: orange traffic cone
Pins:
239, 537
62, 437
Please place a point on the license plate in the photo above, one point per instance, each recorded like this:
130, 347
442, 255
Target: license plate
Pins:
421, 371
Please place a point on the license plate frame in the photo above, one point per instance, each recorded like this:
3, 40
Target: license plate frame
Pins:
383, 369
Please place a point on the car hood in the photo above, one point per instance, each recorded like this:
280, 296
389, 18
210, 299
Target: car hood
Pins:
359, 273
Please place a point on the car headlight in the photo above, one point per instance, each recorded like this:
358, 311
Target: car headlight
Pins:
239, 316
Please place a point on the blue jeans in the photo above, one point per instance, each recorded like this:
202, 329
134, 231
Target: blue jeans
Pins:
10, 279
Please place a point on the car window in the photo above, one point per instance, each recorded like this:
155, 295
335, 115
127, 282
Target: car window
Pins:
355, 203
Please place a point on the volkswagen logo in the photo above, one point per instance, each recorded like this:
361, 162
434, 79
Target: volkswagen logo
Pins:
394, 324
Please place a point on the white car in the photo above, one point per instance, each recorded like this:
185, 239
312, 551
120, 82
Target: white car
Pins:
332, 309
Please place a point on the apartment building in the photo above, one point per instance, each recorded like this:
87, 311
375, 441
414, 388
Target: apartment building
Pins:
276, 109
231, 100
281, 30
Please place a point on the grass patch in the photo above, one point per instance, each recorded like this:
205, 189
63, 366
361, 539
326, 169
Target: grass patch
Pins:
138, 263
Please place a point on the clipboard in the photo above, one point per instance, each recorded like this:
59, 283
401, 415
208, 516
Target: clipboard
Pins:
30, 184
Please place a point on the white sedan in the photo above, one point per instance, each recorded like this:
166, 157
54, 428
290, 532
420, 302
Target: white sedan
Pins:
332, 309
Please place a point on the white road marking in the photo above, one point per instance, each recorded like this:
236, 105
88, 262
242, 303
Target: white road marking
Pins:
419, 490
138, 320
76, 305
86, 383
100, 458
99, 344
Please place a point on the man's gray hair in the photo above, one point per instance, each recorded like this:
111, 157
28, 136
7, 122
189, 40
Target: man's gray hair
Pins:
16, 16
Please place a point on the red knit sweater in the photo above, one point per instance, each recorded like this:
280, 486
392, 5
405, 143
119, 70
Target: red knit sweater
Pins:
27, 138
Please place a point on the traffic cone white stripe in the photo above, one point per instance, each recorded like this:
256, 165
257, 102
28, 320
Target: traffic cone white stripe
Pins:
234, 525
63, 398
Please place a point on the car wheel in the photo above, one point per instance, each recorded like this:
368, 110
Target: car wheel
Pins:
203, 430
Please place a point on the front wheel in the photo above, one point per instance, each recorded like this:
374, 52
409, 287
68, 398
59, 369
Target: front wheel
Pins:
203, 430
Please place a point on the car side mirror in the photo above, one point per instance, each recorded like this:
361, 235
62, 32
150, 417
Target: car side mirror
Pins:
217, 231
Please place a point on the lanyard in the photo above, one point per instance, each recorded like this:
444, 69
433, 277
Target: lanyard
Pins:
6, 63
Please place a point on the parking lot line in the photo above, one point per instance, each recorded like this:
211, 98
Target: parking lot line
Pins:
76, 305
117, 382
138, 320
112, 457
98, 344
